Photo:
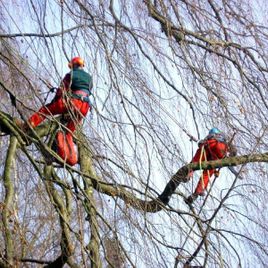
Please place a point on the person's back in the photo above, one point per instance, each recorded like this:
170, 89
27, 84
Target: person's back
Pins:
80, 80
215, 146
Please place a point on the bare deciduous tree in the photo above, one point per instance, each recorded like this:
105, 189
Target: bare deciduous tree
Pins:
164, 73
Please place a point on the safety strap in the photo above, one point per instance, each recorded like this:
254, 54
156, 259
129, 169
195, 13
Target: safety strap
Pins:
200, 161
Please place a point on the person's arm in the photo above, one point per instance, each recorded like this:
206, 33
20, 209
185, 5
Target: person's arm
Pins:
64, 86
232, 149
198, 153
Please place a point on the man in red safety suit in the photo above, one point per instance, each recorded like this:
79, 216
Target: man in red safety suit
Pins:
213, 147
72, 99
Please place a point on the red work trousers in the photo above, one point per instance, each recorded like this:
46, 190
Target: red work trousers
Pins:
210, 150
77, 109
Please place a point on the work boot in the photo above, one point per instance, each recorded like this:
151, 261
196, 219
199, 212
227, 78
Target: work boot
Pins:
190, 199
21, 125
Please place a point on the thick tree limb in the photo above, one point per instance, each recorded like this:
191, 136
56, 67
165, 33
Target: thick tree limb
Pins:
86, 165
8, 201
163, 199
67, 248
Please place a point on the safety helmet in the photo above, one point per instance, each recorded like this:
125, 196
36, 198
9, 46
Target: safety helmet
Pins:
214, 130
76, 61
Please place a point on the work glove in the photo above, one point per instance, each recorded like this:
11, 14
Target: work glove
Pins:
217, 173
201, 143
232, 150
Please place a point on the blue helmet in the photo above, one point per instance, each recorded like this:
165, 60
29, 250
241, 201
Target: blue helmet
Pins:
214, 130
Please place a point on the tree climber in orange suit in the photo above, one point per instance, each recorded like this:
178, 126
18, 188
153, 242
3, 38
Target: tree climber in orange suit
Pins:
72, 99
213, 147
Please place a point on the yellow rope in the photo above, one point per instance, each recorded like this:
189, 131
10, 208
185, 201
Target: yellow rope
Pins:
200, 161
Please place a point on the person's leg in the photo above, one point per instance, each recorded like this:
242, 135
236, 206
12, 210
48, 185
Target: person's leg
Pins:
200, 155
65, 148
68, 149
203, 181
72, 157
56, 107
62, 147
